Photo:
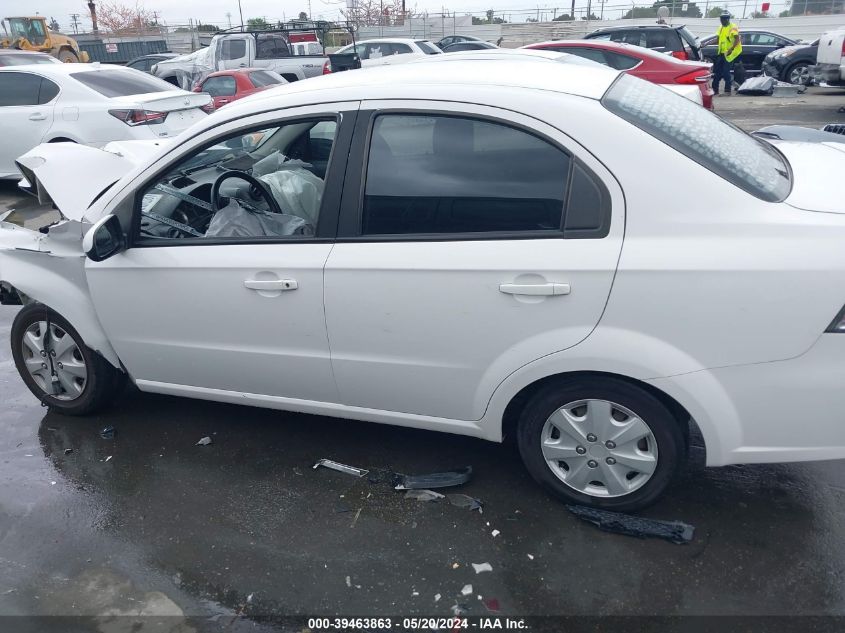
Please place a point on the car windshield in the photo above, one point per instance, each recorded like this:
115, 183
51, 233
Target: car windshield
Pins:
747, 162
121, 83
428, 48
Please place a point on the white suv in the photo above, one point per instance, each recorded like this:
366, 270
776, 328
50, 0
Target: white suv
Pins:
476, 247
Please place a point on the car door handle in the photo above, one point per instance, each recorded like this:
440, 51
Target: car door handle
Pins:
548, 289
271, 284
37, 117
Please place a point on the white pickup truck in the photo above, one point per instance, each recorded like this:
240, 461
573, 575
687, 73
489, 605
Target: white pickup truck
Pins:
830, 60
289, 54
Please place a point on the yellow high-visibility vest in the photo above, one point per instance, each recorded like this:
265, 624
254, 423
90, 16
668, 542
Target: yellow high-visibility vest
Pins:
727, 35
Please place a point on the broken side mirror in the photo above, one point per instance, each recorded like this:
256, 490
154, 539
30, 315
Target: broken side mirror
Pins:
104, 239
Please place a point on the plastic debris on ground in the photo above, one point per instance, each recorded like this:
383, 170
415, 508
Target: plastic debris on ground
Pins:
341, 468
619, 523
465, 501
495, 533
204, 441
467, 590
348, 581
68, 451
482, 567
437, 597
423, 495
530, 556
107, 458
433, 480
107, 433
492, 605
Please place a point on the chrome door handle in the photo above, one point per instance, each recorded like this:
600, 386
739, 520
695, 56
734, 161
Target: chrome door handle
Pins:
37, 117
548, 289
271, 284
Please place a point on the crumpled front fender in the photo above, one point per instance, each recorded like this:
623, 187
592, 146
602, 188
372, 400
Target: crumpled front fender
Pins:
50, 269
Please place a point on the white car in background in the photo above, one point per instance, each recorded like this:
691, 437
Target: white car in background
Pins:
830, 59
87, 103
480, 247
384, 51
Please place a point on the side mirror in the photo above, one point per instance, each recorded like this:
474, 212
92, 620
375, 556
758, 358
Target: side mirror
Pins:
104, 239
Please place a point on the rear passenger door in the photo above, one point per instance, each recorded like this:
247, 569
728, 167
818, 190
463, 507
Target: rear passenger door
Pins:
26, 115
472, 241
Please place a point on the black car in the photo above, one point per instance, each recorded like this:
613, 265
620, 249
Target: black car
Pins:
678, 41
792, 63
755, 46
454, 39
146, 62
468, 46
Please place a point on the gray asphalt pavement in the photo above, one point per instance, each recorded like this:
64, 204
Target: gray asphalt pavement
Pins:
150, 523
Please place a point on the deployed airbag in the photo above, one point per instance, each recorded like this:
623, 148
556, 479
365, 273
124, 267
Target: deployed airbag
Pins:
234, 220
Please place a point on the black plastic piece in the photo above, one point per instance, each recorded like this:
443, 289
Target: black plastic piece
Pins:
674, 531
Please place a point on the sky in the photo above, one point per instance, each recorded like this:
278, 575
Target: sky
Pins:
214, 11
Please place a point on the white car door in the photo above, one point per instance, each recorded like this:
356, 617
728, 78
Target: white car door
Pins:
26, 114
233, 305
477, 240
235, 52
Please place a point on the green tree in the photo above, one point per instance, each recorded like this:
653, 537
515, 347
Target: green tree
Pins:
256, 24
592, 16
563, 17
303, 16
674, 6
715, 12
760, 14
207, 28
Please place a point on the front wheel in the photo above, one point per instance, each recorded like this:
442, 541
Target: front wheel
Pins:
600, 442
57, 366
799, 74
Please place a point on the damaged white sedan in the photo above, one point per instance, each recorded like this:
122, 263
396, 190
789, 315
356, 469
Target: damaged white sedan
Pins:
481, 247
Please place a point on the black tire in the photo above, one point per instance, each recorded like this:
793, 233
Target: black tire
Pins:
664, 427
67, 56
102, 381
787, 74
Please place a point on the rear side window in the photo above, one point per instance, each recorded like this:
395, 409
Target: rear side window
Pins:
269, 46
620, 61
121, 83
261, 78
587, 53
727, 151
435, 175
23, 89
663, 39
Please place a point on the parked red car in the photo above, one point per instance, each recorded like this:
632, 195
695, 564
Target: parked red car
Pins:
226, 86
641, 62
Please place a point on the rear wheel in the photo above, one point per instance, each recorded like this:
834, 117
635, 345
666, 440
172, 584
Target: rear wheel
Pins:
67, 56
600, 442
798, 74
57, 366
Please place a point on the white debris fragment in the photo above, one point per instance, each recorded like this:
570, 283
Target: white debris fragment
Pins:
480, 567
530, 556
204, 441
52, 483
107, 458
437, 597
415, 593
466, 590
495, 533
348, 581
249, 598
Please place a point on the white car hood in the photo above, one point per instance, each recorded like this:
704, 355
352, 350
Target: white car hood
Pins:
73, 176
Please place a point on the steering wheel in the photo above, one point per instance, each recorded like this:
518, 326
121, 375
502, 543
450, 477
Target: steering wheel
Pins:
259, 186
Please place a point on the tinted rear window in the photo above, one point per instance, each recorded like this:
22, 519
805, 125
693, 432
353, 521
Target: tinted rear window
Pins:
749, 163
261, 78
428, 48
121, 83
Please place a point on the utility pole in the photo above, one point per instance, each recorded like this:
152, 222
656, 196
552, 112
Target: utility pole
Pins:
241, 11
229, 17
572, 13
74, 17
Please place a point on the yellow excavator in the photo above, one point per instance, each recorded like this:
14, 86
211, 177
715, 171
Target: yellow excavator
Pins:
33, 34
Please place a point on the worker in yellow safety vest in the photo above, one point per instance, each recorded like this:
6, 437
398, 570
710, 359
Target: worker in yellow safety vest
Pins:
730, 48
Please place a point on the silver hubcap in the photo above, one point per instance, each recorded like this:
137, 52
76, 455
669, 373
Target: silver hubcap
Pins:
54, 361
599, 448
799, 75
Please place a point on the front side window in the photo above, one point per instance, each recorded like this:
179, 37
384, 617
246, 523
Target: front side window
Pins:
265, 183
749, 163
220, 86
438, 174
233, 49
121, 83
19, 89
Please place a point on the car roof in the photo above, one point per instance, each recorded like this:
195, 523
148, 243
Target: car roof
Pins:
234, 71
401, 40
67, 69
14, 51
622, 47
437, 76
632, 27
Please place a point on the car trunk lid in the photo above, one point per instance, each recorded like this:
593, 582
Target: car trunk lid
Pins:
817, 170
182, 109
